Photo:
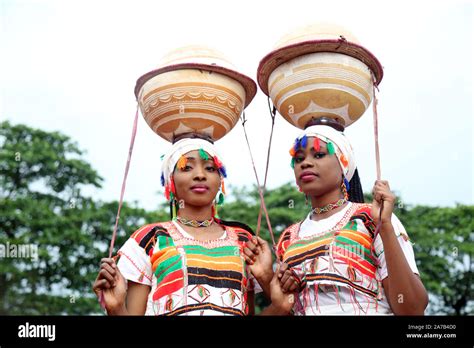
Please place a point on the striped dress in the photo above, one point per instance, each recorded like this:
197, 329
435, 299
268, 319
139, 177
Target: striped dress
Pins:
188, 276
341, 264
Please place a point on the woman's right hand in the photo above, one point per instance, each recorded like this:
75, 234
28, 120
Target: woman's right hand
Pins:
289, 282
282, 301
112, 285
258, 255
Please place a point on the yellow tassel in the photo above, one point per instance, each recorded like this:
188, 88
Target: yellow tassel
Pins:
182, 162
223, 187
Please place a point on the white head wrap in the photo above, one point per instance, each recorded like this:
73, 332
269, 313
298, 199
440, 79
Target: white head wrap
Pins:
180, 148
343, 148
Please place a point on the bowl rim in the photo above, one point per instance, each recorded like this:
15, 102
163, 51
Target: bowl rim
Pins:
286, 53
247, 83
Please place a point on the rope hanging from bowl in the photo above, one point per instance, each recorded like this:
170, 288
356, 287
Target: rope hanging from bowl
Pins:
377, 150
272, 111
262, 201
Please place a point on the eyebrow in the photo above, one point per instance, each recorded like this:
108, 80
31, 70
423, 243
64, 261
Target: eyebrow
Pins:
322, 147
191, 158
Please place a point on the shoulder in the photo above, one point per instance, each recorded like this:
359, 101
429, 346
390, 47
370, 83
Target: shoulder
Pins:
285, 237
145, 234
289, 230
362, 208
243, 231
363, 212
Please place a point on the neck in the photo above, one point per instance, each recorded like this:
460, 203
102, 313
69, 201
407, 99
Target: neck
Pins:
325, 199
196, 213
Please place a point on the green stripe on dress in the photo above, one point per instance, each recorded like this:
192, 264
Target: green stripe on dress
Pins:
304, 242
172, 264
164, 242
366, 252
213, 252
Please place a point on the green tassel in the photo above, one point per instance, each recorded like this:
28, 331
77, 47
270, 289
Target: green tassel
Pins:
330, 147
174, 211
292, 163
161, 157
203, 155
220, 199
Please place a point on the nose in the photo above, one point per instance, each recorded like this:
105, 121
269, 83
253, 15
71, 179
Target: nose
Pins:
199, 174
306, 163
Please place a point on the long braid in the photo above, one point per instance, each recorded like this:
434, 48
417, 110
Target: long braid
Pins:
355, 192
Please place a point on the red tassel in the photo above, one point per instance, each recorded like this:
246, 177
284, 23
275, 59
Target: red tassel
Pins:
344, 161
217, 162
167, 192
172, 187
316, 145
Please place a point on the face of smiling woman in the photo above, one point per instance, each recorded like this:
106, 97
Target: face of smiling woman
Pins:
316, 172
198, 182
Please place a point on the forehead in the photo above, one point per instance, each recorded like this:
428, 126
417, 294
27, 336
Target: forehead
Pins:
310, 142
194, 154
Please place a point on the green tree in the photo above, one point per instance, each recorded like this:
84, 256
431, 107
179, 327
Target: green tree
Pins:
42, 177
444, 248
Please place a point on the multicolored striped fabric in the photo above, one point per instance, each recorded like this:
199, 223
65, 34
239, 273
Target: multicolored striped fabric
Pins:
341, 257
193, 277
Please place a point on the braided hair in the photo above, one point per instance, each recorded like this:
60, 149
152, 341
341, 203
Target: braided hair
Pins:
356, 195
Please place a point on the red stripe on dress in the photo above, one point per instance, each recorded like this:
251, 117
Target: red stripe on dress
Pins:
175, 282
142, 232
351, 261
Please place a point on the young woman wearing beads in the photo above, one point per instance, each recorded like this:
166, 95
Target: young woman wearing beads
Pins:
340, 262
193, 264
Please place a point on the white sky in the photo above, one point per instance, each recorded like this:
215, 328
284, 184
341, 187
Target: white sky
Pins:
72, 66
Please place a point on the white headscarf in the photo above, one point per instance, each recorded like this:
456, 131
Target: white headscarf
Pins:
180, 148
343, 148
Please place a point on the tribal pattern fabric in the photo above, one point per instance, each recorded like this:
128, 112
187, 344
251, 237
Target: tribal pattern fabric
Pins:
342, 261
188, 276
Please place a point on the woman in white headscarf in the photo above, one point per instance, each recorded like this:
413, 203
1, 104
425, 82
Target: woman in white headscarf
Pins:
339, 265
191, 265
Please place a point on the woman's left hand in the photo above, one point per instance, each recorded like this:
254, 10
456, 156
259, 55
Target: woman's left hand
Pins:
382, 193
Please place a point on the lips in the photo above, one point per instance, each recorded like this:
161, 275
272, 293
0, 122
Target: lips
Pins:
199, 188
307, 176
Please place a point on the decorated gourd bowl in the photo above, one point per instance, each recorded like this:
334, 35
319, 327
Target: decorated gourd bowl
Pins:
195, 90
319, 71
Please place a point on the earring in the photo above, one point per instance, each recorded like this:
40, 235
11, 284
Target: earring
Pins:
218, 202
172, 199
306, 199
344, 188
220, 198
173, 208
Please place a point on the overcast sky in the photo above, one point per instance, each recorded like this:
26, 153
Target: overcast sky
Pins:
71, 66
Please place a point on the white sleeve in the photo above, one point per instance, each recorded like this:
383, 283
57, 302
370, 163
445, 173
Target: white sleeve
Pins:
134, 263
253, 284
405, 244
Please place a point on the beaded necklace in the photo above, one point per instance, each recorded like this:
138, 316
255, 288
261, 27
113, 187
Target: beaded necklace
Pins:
329, 207
195, 223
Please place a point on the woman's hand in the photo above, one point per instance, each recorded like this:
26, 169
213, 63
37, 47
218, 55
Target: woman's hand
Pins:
282, 302
258, 255
289, 282
382, 193
111, 284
